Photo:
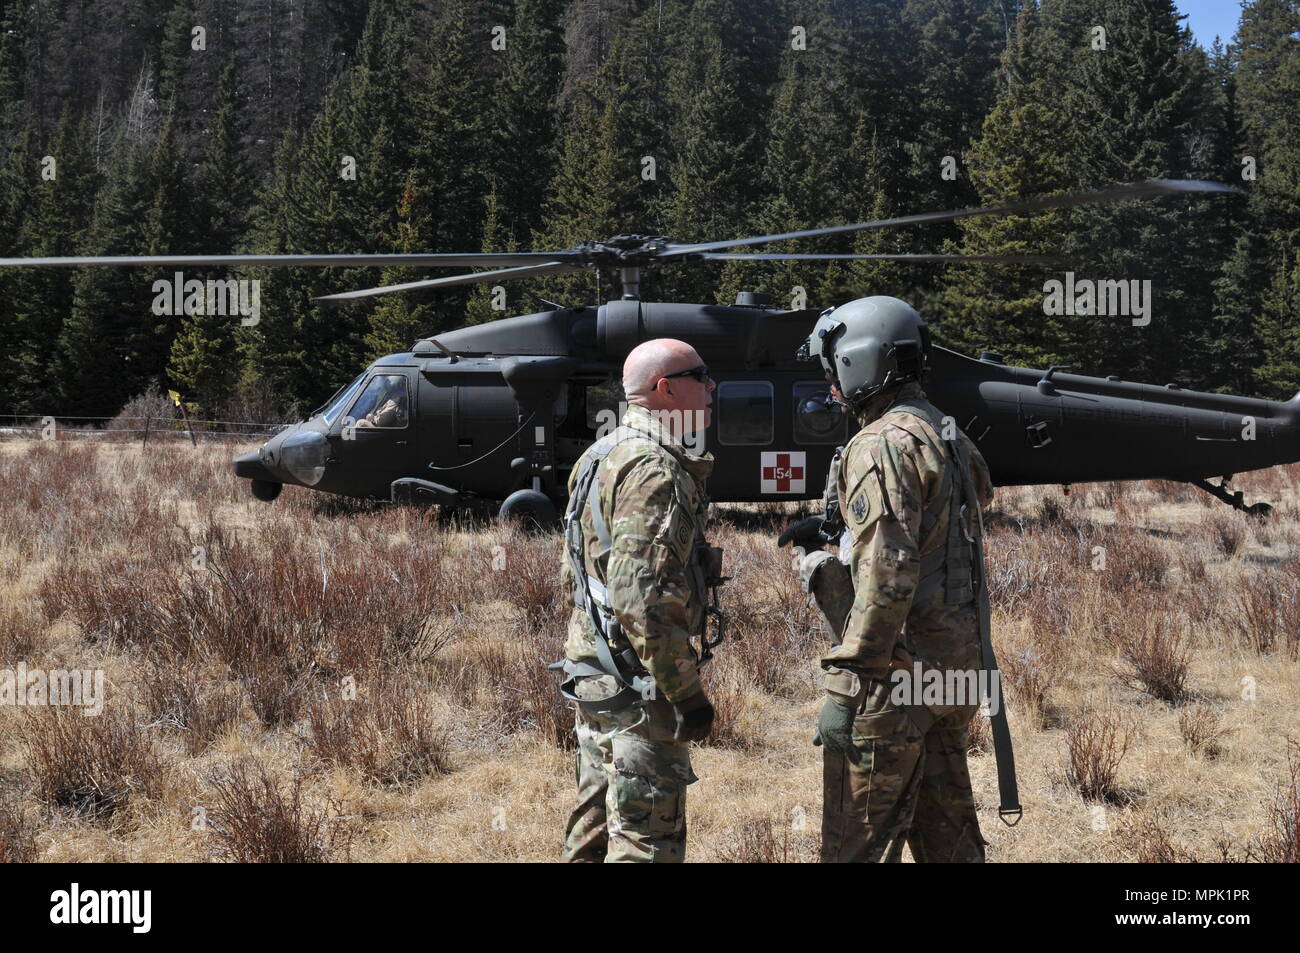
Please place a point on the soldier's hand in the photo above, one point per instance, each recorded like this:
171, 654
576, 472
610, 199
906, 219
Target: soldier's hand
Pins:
835, 729
694, 717
806, 533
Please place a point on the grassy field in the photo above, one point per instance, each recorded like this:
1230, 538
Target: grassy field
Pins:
319, 680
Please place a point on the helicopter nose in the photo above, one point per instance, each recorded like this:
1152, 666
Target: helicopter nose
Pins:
249, 466
266, 462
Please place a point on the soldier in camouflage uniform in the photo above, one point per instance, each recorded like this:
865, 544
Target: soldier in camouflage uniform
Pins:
900, 593
647, 590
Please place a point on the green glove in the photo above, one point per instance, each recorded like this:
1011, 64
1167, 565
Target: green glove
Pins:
694, 717
806, 533
835, 729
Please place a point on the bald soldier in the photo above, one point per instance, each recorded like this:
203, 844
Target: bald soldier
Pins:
904, 596
639, 570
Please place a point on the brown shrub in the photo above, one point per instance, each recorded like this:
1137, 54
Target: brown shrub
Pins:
178, 693
390, 735
1263, 612
527, 575
519, 689
1052, 513
774, 635
1109, 494
1032, 672
731, 726
1096, 742
18, 631
1191, 564
90, 765
1281, 843
152, 403
17, 832
1134, 562
114, 599
258, 819
1158, 653
1202, 730
1226, 533
1150, 841
754, 842
979, 735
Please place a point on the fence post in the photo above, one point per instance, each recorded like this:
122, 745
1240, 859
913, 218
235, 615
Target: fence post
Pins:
145, 441
186, 417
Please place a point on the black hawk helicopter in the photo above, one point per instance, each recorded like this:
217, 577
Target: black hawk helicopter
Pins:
496, 414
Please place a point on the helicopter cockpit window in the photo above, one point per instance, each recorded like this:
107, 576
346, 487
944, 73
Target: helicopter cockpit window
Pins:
342, 397
744, 412
814, 420
382, 404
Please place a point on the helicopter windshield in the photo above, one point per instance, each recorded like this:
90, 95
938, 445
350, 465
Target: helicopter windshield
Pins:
341, 399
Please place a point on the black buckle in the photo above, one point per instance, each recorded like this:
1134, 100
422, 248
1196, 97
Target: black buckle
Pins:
1005, 812
707, 645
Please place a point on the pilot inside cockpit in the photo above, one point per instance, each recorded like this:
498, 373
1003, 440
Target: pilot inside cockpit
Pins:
383, 404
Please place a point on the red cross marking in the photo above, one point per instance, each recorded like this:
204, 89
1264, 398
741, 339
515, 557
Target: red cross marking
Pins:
783, 473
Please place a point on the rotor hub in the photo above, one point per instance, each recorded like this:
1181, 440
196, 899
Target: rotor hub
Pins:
624, 251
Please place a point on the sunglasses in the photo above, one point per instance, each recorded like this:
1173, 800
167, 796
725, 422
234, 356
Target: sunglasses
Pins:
700, 373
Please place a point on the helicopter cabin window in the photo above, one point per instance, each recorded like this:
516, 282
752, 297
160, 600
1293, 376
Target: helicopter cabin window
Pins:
382, 404
744, 412
814, 421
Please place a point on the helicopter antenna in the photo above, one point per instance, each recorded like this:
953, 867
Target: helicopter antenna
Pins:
445, 350
553, 305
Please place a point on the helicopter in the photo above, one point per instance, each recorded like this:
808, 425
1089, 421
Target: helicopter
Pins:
494, 416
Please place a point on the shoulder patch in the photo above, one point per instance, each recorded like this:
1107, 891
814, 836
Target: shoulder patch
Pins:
681, 533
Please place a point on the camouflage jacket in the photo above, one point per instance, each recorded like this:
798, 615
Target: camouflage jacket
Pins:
892, 496
652, 498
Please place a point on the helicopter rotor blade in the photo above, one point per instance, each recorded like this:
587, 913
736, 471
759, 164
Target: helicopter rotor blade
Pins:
900, 256
1148, 188
456, 260
471, 278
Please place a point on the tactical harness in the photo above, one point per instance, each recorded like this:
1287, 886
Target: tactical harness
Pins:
635, 685
959, 567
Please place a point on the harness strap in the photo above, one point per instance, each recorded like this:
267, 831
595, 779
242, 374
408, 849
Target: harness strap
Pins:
968, 578
1008, 794
591, 596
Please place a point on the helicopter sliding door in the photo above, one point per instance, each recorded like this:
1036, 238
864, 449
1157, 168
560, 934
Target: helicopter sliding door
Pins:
471, 432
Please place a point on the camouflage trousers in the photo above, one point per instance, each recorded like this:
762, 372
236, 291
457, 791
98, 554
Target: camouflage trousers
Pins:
632, 780
907, 786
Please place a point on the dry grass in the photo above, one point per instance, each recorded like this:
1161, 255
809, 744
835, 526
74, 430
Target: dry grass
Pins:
1138, 628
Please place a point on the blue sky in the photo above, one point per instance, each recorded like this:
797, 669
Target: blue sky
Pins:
1208, 17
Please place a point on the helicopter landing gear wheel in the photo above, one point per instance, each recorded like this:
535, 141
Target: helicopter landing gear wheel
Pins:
265, 490
532, 509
